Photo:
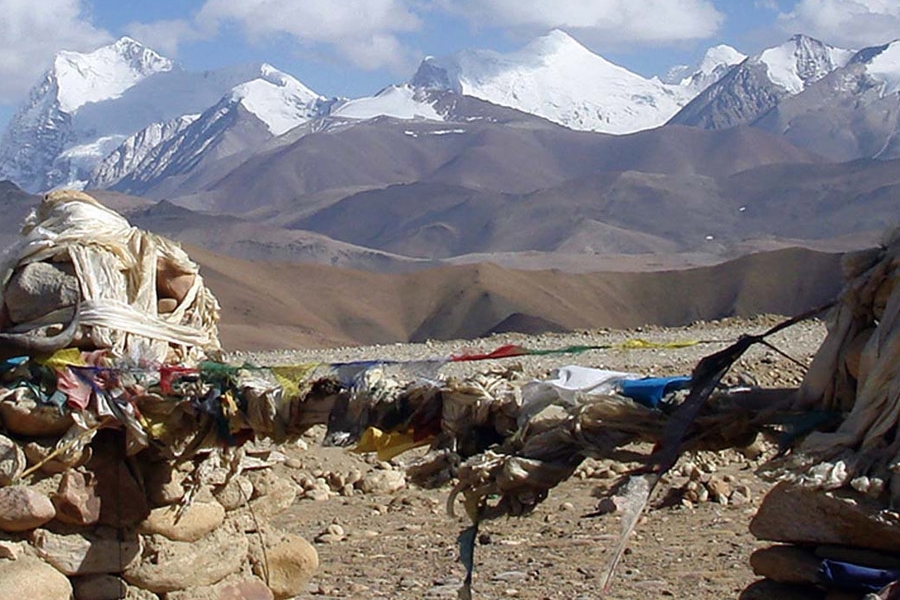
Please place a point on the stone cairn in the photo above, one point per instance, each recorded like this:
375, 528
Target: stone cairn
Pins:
126, 463
816, 532
101, 525
835, 514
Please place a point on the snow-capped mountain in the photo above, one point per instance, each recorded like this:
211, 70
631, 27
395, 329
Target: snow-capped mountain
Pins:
278, 100
853, 112
557, 78
762, 81
86, 105
397, 101
135, 150
883, 66
104, 73
245, 117
717, 61
45, 126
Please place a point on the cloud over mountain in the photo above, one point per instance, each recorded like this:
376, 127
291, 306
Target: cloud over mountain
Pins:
363, 31
30, 35
620, 22
855, 23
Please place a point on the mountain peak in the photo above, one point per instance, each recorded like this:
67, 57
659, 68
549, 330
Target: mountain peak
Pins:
884, 66
723, 54
103, 73
126, 43
557, 78
554, 42
800, 61
277, 99
802, 39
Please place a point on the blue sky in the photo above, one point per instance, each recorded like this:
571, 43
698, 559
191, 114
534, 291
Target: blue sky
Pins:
355, 47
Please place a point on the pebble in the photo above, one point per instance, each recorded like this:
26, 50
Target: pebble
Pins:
333, 534
510, 576
317, 495
605, 473
606, 506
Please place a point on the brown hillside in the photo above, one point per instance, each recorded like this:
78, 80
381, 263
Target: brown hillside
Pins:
279, 305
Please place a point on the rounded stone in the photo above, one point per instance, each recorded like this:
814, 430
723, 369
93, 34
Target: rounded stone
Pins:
33, 579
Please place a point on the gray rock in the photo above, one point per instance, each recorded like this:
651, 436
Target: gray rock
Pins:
136, 593
33, 579
317, 495
99, 587
87, 553
235, 493
22, 415
40, 288
38, 452
290, 562
333, 534
76, 500
23, 508
171, 566
785, 564
164, 483
272, 494
382, 482
197, 520
12, 461
236, 587
799, 515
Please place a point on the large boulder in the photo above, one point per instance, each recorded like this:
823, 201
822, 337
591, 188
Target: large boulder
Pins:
87, 553
22, 415
786, 564
32, 579
12, 461
23, 508
40, 288
288, 563
172, 566
801, 515
76, 499
196, 521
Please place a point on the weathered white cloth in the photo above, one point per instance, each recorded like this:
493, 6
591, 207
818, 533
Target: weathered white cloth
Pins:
566, 385
116, 266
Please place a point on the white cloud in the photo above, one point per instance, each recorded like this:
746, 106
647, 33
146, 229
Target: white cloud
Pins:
363, 31
620, 22
853, 23
164, 36
31, 32
766, 5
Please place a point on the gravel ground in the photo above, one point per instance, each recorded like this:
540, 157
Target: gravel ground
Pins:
402, 544
764, 365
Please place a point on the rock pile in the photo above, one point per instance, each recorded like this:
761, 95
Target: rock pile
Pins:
125, 469
834, 511
841, 541
143, 526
